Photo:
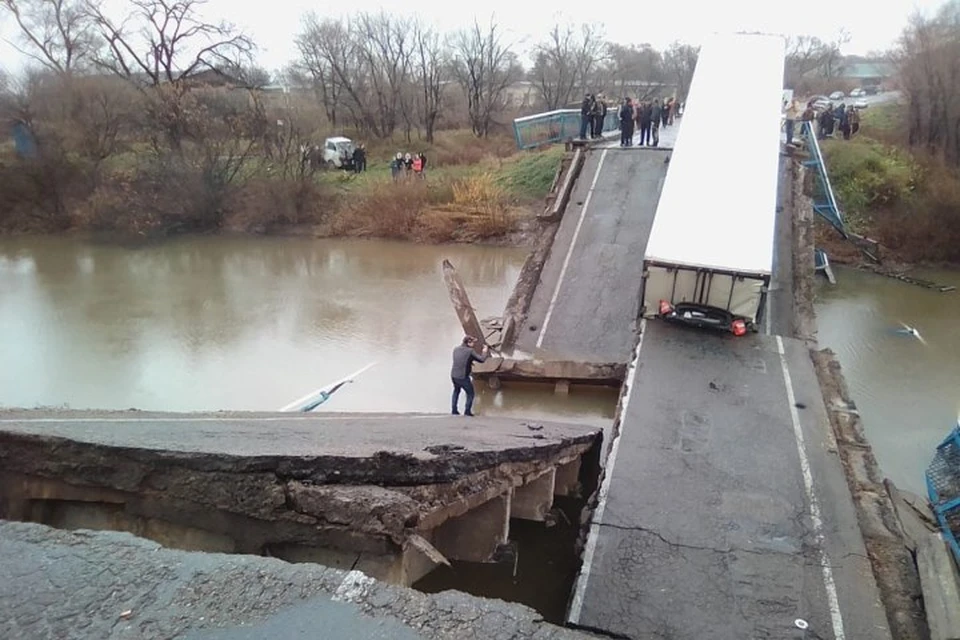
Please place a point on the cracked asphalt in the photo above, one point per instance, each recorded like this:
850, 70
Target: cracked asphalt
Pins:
591, 291
113, 586
706, 530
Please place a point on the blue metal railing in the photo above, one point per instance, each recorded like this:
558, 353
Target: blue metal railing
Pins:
943, 488
555, 126
824, 202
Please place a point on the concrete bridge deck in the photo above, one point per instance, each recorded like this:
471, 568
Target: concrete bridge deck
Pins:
392, 495
724, 511
584, 308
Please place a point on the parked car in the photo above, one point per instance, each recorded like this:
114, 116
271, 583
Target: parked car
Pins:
837, 95
861, 104
872, 89
820, 102
858, 92
338, 153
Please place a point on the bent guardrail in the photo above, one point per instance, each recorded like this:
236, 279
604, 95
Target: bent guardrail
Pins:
555, 126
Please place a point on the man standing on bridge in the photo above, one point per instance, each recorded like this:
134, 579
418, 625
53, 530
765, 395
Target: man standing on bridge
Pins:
463, 358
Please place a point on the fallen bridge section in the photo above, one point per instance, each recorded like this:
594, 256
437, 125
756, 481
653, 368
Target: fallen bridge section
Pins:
69, 585
392, 495
724, 511
581, 322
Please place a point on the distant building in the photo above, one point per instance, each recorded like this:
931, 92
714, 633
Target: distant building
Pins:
868, 72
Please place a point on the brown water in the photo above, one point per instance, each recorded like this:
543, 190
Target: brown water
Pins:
249, 323
908, 392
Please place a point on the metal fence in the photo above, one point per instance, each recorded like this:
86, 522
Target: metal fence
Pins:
555, 126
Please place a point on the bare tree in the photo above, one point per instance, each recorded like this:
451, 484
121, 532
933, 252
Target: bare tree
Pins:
485, 67
58, 34
325, 54
430, 67
809, 55
634, 69
564, 63
384, 45
680, 61
165, 41
159, 47
930, 79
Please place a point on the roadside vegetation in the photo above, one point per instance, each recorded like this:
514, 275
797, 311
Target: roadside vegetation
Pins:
898, 181
144, 117
905, 197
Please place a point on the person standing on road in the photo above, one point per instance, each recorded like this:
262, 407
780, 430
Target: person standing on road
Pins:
644, 118
586, 110
790, 119
463, 358
626, 123
657, 115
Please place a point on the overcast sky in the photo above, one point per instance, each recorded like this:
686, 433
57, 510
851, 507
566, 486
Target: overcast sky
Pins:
871, 25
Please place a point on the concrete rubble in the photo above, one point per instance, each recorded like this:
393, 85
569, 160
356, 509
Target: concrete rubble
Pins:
62, 585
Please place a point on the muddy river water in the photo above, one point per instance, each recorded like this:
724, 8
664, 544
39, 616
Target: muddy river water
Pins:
249, 323
255, 323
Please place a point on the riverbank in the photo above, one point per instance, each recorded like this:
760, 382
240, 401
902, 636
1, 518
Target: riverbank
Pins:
905, 199
473, 191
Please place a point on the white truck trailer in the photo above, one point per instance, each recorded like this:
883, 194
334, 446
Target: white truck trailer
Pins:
709, 257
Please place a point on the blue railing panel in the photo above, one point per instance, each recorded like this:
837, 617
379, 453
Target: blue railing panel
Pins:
555, 126
943, 488
825, 202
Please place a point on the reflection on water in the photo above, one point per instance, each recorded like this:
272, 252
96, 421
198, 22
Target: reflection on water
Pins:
907, 392
245, 323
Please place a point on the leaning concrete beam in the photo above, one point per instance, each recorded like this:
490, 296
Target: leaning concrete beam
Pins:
533, 500
475, 536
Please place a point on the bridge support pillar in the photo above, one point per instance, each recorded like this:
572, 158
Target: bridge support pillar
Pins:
533, 500
562, 387
567, 477
475, 536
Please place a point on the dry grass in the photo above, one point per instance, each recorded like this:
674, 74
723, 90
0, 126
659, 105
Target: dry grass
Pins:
465, 209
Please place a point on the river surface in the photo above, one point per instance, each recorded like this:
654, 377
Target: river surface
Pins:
253, 323
906, 390
214, 323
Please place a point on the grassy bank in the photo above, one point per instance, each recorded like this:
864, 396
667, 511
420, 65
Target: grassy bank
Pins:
908, 201
474, 190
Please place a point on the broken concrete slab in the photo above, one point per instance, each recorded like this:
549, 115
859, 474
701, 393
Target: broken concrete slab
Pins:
345, 490
941, 587
72, 585
532, 370
402, 449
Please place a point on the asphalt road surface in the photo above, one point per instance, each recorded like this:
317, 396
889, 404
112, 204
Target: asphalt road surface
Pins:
586, 305
726, 513
61, 585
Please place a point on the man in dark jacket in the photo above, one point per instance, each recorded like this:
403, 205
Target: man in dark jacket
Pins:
586, 111
463, 358
626, 123
656, 116
645, 118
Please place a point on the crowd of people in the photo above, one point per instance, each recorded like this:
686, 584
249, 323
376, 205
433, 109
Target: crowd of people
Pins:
646, 115
841, 119
406, 165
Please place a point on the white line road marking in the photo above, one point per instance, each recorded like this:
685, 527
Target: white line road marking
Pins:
573, 242
306, 418
580, 589
833, 601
